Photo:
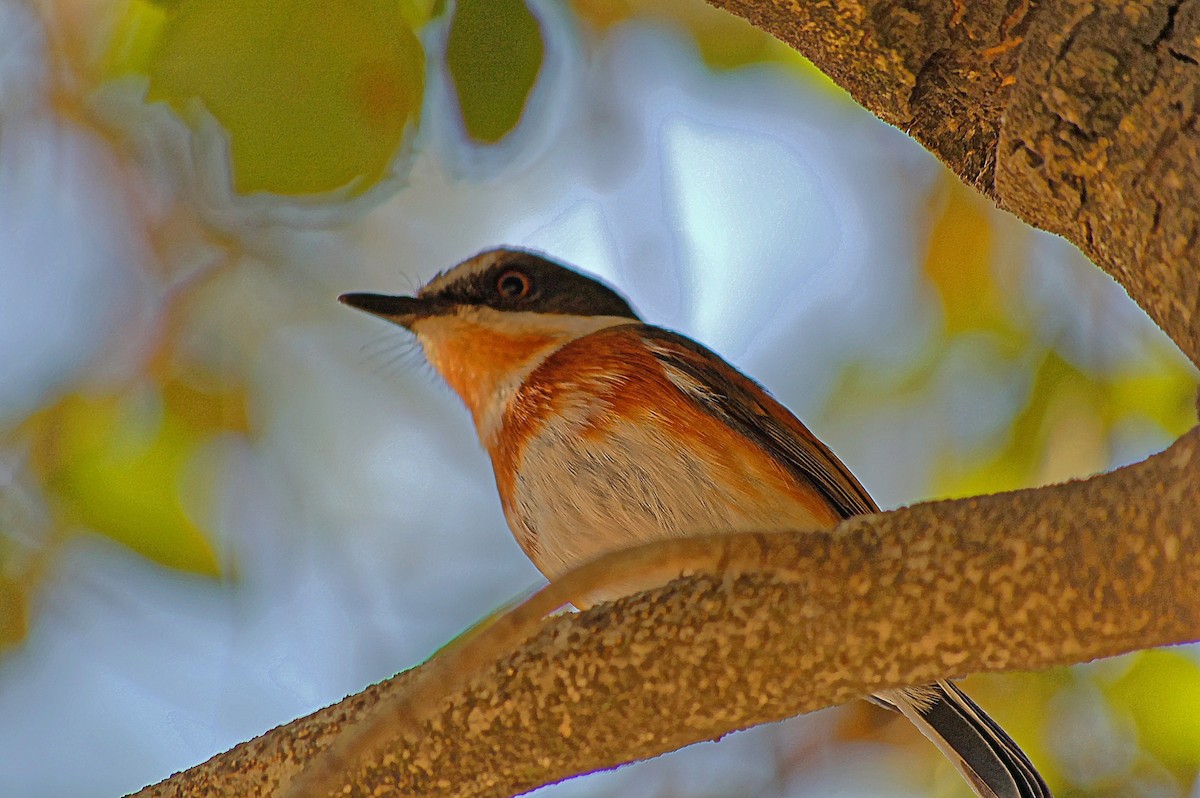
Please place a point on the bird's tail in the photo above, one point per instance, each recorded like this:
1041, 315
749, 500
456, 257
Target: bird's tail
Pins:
985, 756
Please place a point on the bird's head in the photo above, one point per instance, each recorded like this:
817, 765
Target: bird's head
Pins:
489, 321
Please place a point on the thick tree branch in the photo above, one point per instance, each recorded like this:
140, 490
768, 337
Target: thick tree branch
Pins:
1079, 116
781, 624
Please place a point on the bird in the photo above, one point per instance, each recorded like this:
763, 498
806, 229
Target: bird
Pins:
605, 432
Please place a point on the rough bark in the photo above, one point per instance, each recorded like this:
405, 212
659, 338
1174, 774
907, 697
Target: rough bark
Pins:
1078, 116
773, 625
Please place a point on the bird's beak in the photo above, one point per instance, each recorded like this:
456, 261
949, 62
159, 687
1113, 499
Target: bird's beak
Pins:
402, 310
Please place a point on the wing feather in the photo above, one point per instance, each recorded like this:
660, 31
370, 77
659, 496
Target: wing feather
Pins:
746, 407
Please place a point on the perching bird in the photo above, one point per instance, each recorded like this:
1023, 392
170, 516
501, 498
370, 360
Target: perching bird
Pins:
605, 432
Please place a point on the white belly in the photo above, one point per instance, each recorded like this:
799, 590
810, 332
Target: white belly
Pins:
576, 498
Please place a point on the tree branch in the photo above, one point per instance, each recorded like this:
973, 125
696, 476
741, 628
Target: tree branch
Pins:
1078, 116
779, 624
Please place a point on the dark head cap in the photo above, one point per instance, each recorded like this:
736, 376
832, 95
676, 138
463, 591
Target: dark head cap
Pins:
502, 279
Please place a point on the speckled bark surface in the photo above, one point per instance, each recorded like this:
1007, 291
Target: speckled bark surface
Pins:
785, 623
1079, 116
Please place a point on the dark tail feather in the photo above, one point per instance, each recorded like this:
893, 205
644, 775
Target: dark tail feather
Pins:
986, 757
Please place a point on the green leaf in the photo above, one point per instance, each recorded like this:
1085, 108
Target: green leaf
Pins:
314, 96
494, 55
418, 12
117, 465
119, 475
1161, 693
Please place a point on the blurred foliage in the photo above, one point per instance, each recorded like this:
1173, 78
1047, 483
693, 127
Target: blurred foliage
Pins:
15, 589
958, 264
1069, 413
1160, 692
1064, 427
135, 39
725, 41
494, 54
328, 105
116, 464
1070, 416
313, 97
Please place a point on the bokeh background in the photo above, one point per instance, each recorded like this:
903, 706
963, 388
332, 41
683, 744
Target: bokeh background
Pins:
226, 501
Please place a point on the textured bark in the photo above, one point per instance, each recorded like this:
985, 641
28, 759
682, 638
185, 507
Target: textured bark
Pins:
777, 624
1081, 118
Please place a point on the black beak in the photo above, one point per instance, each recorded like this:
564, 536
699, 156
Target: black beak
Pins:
402, 310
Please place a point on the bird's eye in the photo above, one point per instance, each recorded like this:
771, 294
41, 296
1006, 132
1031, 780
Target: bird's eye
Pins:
513, 284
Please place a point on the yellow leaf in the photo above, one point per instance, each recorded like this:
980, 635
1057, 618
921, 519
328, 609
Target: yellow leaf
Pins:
725, 40
418, 12
1061, 411
1163, 390
959, 262
14, 613
1161, 693
313, 96
134, 39
209, 410
494, 54
22, 564
602, 14
116, 465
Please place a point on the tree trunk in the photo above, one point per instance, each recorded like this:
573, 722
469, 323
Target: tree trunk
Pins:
1078, 116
